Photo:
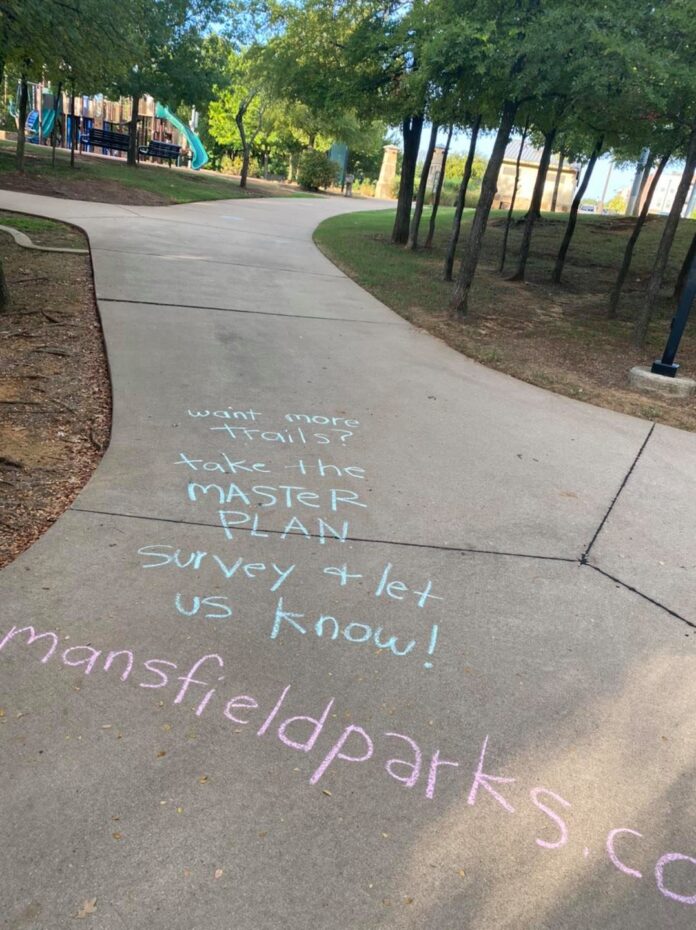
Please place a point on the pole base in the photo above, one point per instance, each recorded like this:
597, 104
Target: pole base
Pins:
645, 380
659, 368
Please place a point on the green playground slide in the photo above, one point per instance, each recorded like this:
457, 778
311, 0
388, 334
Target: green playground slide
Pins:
200, 156
47, 122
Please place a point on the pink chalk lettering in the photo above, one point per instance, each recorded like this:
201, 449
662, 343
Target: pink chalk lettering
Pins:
611, 852
560, 823
204, 702
32, 637
241, 702
335, 752
484, 781
318, 726
269, 720
414, 767
129, 664
188, 679
88, 661
659, 875
152, 667
435, 764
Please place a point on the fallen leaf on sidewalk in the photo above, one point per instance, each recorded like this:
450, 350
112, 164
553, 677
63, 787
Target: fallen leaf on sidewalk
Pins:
89, 907
218, 873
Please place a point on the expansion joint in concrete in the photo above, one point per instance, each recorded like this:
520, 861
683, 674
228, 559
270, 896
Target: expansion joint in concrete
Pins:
585, 556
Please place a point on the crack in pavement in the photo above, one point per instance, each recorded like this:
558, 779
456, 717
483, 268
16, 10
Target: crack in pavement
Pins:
168, 256
586, 553
290, 316
646, 597
357, 539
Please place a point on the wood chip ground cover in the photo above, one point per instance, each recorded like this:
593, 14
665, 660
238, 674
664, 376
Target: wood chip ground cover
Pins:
55, 400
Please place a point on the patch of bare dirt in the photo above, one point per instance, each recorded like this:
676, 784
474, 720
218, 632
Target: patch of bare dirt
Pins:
98, 190
55, 398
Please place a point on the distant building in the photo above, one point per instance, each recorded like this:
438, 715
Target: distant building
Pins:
529, 167
663, 197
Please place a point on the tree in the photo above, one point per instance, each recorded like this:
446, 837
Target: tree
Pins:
236, 116
665, 246
508, 219
438, 190
170, 38
461, 201
573, 215
534, 210
615, 296
422, 189
512, 75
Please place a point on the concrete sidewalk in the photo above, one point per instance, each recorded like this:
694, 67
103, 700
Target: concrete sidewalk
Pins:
479, 594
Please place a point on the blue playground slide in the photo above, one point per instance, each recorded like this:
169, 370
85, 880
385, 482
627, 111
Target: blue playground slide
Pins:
200, 156
32, 125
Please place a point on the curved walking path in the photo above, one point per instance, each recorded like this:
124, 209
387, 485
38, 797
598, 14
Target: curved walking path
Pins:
476, 596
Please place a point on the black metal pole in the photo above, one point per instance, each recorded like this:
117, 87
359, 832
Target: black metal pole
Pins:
666, 365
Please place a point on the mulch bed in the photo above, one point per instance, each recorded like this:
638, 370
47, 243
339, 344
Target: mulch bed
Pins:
55, 398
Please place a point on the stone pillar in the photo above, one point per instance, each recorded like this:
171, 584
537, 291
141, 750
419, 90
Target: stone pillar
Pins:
387, 173
435, 167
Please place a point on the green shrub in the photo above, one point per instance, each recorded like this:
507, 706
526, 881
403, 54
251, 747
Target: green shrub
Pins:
365, 188
450, 188
316, 170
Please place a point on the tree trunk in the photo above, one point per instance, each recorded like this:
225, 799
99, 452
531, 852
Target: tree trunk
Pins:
54, 133
422, 190
644, 179
239, 120
460, 297
438, 191
631, 244
662, 257
557, 183
4, 292
643, 167
73, 127
461, 201
412, 128
573, 215
684, 270
133, 133
503, 251
535, 206
265, 166
22, 117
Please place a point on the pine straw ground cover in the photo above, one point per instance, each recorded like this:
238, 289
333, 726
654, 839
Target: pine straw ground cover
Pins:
556, 337
55, 401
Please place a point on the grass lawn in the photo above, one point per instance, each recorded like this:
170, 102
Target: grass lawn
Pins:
557, 337
109, 180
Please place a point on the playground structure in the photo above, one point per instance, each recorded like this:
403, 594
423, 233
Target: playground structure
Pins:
156, 123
